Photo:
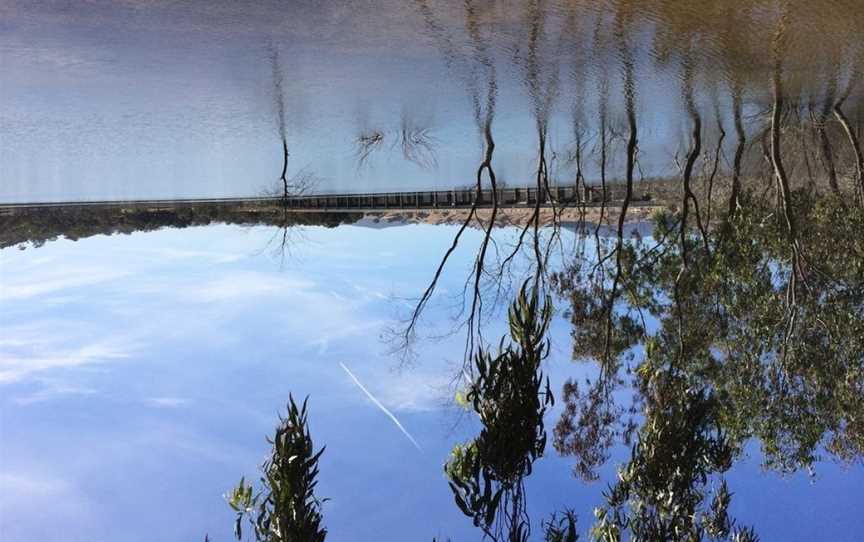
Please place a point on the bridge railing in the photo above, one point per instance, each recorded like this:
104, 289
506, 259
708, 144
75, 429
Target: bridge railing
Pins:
510, 197
507, 197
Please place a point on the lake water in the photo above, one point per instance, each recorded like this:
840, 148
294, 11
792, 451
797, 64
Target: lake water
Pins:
142, 373
705, 366
117, 100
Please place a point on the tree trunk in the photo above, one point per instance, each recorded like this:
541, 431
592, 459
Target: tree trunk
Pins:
856, 147
734, 203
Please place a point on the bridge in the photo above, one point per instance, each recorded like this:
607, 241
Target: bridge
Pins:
461, 198
385, 201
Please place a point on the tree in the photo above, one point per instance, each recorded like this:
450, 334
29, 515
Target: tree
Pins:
284, 508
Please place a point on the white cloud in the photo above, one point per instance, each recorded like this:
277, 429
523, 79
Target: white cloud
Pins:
51, 391
26, 492
29, 485
414, 392
335, 324
318, 318
246, 285
216, 257
44, 346
166, 402
54, 279
407, 391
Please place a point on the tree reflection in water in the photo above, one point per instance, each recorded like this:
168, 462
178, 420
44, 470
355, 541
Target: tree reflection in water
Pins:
510, 396
739, 346
285, 508
740, 320
744, 349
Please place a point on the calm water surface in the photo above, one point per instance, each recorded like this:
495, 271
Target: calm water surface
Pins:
142, 373
111, 100
697, 375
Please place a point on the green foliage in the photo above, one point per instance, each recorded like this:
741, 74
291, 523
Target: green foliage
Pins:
510, 396
587, 427
748, 345
285, 509
661, 492
759, 336
240, 500
561, 527
462, 460
781, 343
588, 311
38, 226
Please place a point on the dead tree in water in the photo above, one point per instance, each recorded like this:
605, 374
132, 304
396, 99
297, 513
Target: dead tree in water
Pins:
367, 142
279, 106
417, 142
414, 139
303, 180
284, 176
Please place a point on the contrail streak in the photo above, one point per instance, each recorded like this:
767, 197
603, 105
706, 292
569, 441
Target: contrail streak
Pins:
382, 407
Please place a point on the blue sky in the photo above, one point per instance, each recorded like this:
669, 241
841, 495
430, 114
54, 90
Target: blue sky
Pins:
140, 374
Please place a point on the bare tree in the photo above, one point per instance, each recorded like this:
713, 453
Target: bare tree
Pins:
279, 111
367, 143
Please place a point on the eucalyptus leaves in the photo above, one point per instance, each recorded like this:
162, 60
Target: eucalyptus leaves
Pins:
284, 508
510, 395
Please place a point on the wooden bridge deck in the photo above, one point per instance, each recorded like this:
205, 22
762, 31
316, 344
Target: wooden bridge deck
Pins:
507, 197
457, 198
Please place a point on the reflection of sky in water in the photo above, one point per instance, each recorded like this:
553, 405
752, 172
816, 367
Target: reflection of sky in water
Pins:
140, 375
